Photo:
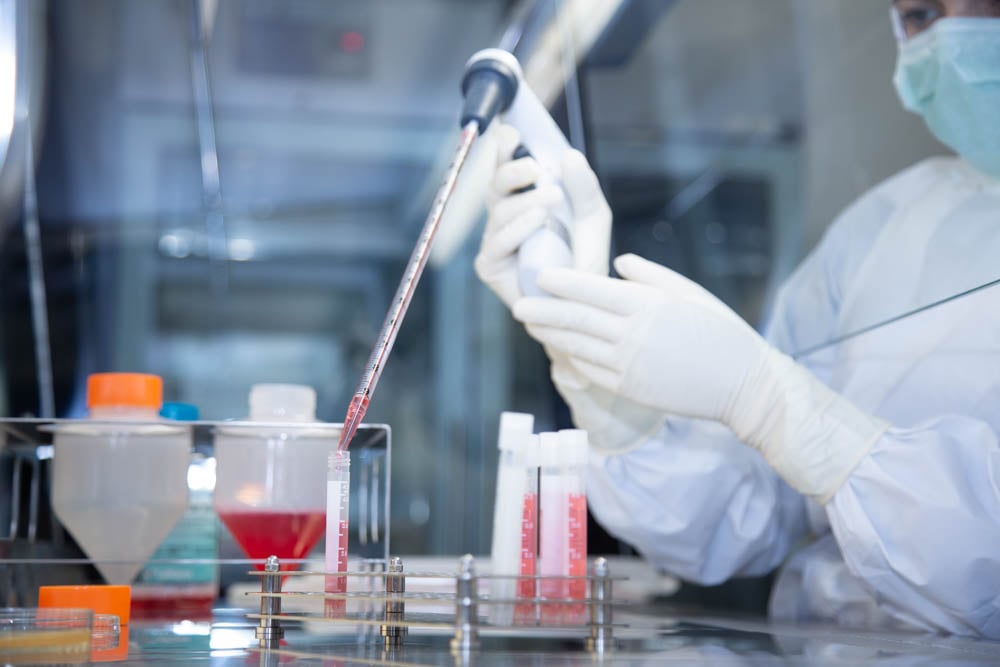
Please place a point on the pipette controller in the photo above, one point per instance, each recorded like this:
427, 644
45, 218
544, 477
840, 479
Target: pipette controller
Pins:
541, 138
489, 86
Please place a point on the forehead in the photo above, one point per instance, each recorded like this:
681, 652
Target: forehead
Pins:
953, 7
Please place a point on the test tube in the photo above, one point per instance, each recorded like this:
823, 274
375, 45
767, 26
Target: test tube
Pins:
563, 458
573, 442
553, 560
338, 495
508, 510
527, 612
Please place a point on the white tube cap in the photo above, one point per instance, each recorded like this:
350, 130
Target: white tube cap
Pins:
549, 450
530, 452
282, 403
574, 446
514, 428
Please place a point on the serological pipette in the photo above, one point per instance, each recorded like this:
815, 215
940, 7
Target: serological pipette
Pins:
488, 90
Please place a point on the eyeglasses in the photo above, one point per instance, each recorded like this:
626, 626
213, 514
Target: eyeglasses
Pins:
912, 17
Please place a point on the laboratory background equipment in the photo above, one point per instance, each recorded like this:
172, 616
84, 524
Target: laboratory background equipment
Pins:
324, 140
119, 480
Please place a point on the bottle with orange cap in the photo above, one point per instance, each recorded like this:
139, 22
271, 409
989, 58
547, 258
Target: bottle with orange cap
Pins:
119, 478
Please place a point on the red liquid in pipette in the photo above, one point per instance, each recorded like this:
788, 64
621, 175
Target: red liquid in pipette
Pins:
287, 534
355, 413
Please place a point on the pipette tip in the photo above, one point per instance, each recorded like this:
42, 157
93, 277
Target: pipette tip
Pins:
355, 413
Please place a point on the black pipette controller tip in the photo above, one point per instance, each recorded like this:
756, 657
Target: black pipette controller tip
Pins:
489, 86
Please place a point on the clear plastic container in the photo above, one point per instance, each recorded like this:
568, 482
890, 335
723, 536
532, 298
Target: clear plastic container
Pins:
271, 481
45, 636
120, 479
338, 495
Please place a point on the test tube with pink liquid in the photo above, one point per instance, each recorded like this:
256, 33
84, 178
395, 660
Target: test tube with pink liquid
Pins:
338, 495
515, 518
563, 508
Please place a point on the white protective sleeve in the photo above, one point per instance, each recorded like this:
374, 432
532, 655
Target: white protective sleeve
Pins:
917, 523
697, 503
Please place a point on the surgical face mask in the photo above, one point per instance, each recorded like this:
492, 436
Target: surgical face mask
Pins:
950, 75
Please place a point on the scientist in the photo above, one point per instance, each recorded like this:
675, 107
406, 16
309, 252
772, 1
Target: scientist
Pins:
869, 469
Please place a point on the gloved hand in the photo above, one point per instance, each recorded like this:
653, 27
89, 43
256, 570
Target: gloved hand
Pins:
660, 340
613, 423
514, 215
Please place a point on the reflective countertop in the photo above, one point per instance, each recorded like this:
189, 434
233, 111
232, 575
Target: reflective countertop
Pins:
643, 636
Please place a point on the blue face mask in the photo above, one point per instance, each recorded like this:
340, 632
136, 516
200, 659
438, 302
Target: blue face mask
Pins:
950, 75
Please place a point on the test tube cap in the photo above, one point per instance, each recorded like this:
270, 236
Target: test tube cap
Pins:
531, 452
514, 428
549, 450
282, 403
573, 442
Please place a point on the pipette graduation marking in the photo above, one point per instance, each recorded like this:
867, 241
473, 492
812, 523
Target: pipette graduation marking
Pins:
407, 285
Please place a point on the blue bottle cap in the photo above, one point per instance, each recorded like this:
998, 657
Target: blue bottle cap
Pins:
182, 412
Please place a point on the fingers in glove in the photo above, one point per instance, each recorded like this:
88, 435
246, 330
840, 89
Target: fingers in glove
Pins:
515, 175
637, 269
571, 316
597, 374
508, 139
611, 294
512, 206
577, 345
502, 242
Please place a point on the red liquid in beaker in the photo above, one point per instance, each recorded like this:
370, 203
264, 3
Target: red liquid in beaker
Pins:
285, 534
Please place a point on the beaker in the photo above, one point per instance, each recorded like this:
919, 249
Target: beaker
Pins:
270, 487
119, 478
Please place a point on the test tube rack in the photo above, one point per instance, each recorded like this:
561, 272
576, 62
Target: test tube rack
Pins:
389, 607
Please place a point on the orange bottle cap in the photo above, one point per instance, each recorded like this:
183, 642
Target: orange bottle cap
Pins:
114, 600
137, 390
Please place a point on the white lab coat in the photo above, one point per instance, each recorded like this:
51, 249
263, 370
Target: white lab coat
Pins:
913, 535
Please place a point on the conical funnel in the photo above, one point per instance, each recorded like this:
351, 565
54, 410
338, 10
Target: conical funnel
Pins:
270, 489
120, 493
120, 486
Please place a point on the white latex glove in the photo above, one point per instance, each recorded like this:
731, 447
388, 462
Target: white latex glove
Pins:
514, 215
663, 341
613, 423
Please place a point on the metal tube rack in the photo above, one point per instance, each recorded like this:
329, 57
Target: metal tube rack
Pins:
595, 627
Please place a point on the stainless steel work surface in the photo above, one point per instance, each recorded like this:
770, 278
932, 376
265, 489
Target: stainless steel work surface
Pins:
643, 637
